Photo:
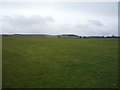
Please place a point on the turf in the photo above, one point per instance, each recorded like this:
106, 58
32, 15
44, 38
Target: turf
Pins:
32, 62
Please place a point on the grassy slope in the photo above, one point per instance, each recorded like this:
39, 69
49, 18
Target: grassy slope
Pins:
59, 63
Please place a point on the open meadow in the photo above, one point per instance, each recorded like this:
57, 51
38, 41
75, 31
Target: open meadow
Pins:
33, 62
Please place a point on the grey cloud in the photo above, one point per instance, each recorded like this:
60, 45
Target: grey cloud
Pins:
21, 24
49, 18
84, 29
87, 29
47, 25
96, 23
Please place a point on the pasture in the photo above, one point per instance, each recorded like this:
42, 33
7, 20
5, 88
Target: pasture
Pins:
33, 62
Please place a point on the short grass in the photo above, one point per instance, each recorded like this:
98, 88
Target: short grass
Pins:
33, 62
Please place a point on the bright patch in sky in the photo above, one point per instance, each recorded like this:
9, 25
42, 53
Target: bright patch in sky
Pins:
90, 18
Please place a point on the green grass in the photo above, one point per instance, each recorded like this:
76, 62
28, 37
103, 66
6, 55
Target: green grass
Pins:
30, 62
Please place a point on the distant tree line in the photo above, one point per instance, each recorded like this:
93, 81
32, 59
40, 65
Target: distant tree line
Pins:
61, 36
76, 36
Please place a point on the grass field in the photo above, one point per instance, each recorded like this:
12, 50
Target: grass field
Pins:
31, 62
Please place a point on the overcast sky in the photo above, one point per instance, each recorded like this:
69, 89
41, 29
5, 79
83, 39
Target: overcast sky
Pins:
89, 18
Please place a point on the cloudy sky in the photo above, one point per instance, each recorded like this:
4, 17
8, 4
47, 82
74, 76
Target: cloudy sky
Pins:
81, 18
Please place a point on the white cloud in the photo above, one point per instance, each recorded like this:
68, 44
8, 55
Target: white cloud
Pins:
59, 0
59, 18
